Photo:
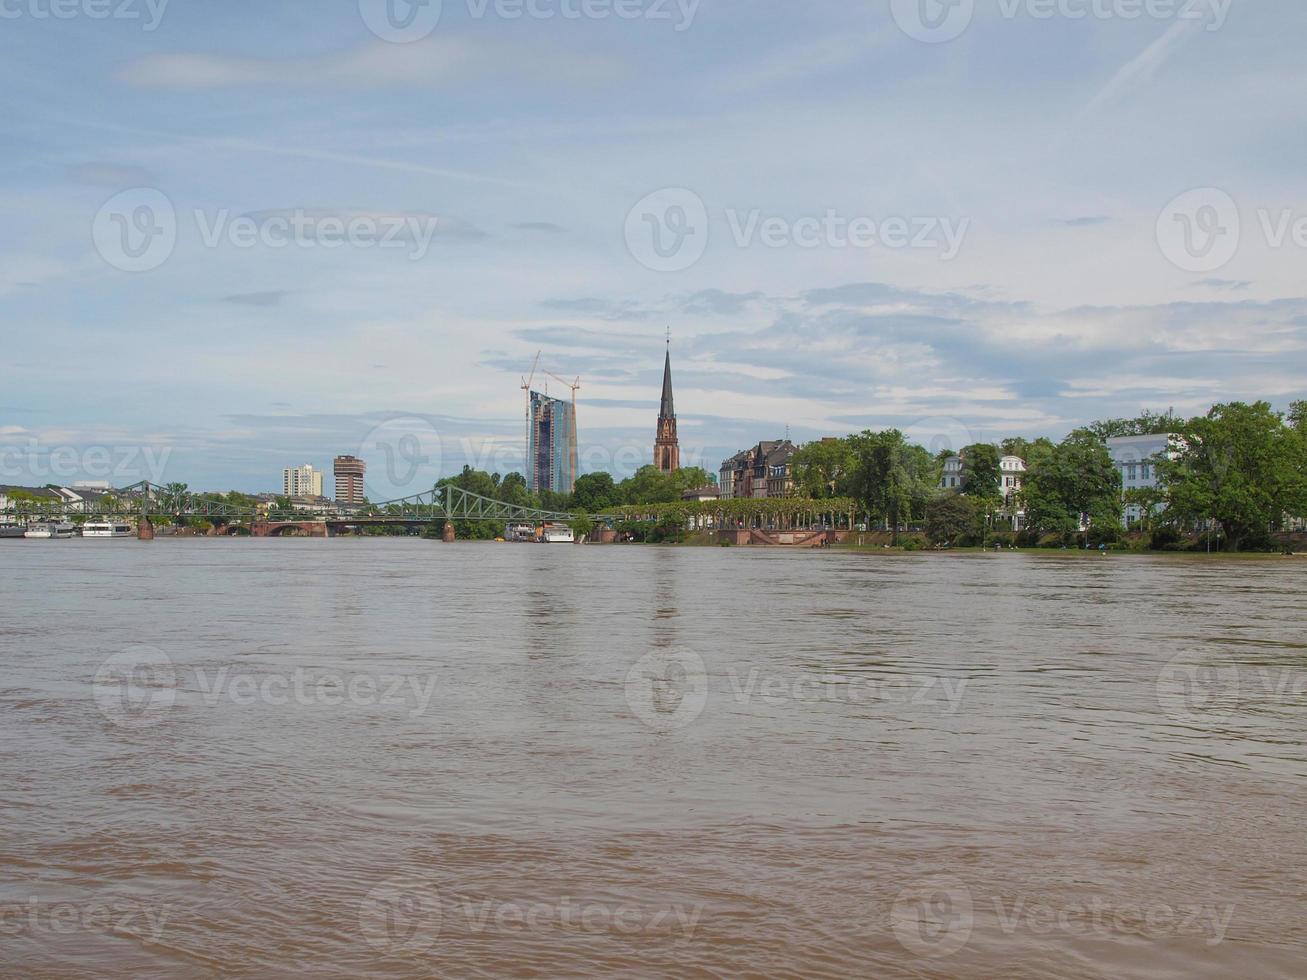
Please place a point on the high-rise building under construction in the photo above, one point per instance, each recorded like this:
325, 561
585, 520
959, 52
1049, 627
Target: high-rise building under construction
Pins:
551, 444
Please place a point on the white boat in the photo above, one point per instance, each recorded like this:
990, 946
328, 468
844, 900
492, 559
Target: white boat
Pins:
104, 529
60, 530
12, 530
557, 534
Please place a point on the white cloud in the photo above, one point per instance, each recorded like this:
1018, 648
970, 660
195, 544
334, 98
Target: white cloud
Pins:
375, 65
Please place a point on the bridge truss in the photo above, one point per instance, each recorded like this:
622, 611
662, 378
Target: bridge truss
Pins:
143, 501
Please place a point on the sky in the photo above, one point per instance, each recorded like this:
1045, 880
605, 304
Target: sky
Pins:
249, 235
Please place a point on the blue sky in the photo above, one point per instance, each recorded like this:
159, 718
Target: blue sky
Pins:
1057, 218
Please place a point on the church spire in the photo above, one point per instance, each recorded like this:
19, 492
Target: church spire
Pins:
667, 448
668, 409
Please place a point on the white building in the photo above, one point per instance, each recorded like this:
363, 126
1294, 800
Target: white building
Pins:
1011, 472
302, 481
1136, 457
952, 478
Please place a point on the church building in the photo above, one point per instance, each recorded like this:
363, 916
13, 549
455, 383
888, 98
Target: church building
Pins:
667, 448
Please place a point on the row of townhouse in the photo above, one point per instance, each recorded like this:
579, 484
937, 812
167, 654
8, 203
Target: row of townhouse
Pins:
763, 471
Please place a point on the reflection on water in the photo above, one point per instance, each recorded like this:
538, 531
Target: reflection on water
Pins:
374, 757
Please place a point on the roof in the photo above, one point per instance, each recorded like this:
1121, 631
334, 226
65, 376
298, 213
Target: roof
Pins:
781, 452
47, 492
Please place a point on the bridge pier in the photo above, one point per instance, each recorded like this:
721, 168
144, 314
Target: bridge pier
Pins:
448, 535
144, 530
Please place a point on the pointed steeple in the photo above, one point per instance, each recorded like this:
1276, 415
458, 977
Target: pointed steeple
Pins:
667, 449
668, 410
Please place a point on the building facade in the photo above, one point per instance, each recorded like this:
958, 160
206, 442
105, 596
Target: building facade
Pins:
301, 481
763, 471
667, 447
551, 445
1136, 458
349, 471
1011, 475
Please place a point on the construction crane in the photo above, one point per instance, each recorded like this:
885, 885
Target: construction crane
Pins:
526, 392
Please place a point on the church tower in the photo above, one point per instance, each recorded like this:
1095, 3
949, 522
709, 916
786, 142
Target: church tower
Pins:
667, 448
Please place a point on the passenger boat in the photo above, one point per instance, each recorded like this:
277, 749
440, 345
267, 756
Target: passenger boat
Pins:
520, 532
104, 529
559, 534
8, 530
59, 530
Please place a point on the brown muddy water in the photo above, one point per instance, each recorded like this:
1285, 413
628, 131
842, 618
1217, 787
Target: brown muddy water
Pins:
356, 758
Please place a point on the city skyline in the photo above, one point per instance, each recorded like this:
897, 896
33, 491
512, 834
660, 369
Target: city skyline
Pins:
1048, 294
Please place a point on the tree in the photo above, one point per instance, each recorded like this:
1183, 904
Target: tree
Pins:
1147, 500
1028, 450
690, 478
888, 477
1146, 424
819, 469
482, 484
981, 475
1240, 465
950, 516
1078, 480
595, 492
513, 490
649, 485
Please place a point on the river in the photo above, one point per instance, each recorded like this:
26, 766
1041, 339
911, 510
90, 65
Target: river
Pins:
392, 757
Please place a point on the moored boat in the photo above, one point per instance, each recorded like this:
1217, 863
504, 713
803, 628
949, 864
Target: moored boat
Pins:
106, 529
61, 529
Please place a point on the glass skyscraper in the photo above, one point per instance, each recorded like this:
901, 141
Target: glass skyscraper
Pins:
551, 445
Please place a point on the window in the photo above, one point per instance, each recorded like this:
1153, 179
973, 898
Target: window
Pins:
1145, 471
1131, 471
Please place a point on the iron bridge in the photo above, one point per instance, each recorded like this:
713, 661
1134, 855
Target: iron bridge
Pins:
143, 501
